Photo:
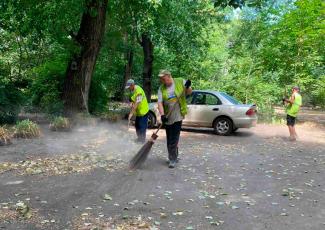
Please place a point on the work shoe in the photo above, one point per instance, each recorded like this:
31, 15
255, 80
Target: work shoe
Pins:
177, 160
172, 164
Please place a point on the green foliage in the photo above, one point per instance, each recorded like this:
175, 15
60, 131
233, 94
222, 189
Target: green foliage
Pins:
251, 52
46, 86
60, 124
26, 129
318, 94
10, 101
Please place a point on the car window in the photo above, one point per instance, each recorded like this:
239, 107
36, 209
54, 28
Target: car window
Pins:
206, 99
212, 100
189, 98
231, 99
199, 99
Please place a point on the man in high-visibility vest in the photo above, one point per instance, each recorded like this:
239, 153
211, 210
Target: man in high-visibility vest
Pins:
139, 108
172, 108
293, 106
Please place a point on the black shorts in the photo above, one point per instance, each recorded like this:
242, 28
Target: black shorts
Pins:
291, 121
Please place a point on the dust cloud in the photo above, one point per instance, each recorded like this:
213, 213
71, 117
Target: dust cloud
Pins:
113, 140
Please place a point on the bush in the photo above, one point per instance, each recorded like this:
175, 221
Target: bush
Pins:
10, 102
47, 85
5, 137
26, 129
318, 94
60, 124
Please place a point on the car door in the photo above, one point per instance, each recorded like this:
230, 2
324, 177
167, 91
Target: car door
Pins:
205, 107
189, 101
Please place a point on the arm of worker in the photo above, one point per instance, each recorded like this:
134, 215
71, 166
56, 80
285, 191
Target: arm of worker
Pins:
291, 99
160, 103
161, 110
135, 105
188, 88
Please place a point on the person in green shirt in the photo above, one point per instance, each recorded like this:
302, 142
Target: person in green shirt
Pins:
293, 106
139, 108
172, 108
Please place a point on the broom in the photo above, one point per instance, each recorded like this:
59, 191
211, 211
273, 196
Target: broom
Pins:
143, 153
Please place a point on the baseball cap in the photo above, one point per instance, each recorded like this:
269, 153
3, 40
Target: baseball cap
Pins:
164, 72
129, 83
296, 88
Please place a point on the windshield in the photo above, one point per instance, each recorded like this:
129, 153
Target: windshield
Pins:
231, 99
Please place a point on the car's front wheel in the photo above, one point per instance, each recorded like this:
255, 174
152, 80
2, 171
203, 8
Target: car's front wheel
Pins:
151, 120
223, 126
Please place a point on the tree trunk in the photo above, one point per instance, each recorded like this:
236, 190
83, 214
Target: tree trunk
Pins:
80, 68
127, 68
147, 46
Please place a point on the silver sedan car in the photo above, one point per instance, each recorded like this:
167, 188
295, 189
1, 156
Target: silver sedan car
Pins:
211, 109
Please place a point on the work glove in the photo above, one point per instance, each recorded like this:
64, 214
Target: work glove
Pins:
164, 119
188, 84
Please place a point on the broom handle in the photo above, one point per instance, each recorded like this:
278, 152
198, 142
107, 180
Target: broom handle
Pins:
169, 112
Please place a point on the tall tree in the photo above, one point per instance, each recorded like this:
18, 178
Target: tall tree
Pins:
80, 68
148, 47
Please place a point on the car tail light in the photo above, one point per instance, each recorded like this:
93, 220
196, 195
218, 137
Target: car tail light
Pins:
250, 112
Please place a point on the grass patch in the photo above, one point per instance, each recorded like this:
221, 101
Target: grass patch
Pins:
26, 129
5, 136
60, 124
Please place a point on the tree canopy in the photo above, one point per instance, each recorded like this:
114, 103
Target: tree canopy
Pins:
79, 53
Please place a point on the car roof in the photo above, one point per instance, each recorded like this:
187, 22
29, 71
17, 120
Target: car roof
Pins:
207, 91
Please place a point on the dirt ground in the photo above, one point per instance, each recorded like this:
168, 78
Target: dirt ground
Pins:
255, 179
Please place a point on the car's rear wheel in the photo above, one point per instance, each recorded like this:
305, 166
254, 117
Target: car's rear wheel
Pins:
151, 120
223, 126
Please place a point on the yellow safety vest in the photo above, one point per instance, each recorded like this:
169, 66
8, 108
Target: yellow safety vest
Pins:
179, 93
143, 107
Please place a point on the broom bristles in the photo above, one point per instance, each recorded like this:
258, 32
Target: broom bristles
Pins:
141, 155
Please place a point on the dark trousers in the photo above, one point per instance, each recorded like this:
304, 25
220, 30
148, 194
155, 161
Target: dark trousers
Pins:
172, 133
141, 124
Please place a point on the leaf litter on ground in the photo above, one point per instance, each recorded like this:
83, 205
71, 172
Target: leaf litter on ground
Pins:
65, 164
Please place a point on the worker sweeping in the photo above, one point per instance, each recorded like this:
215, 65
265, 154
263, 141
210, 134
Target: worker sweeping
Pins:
139, 108
293, 106
172, 108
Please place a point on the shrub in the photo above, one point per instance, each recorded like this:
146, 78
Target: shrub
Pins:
318, 94
26, 129
5, 137
47, 86
10, 101
60, 124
